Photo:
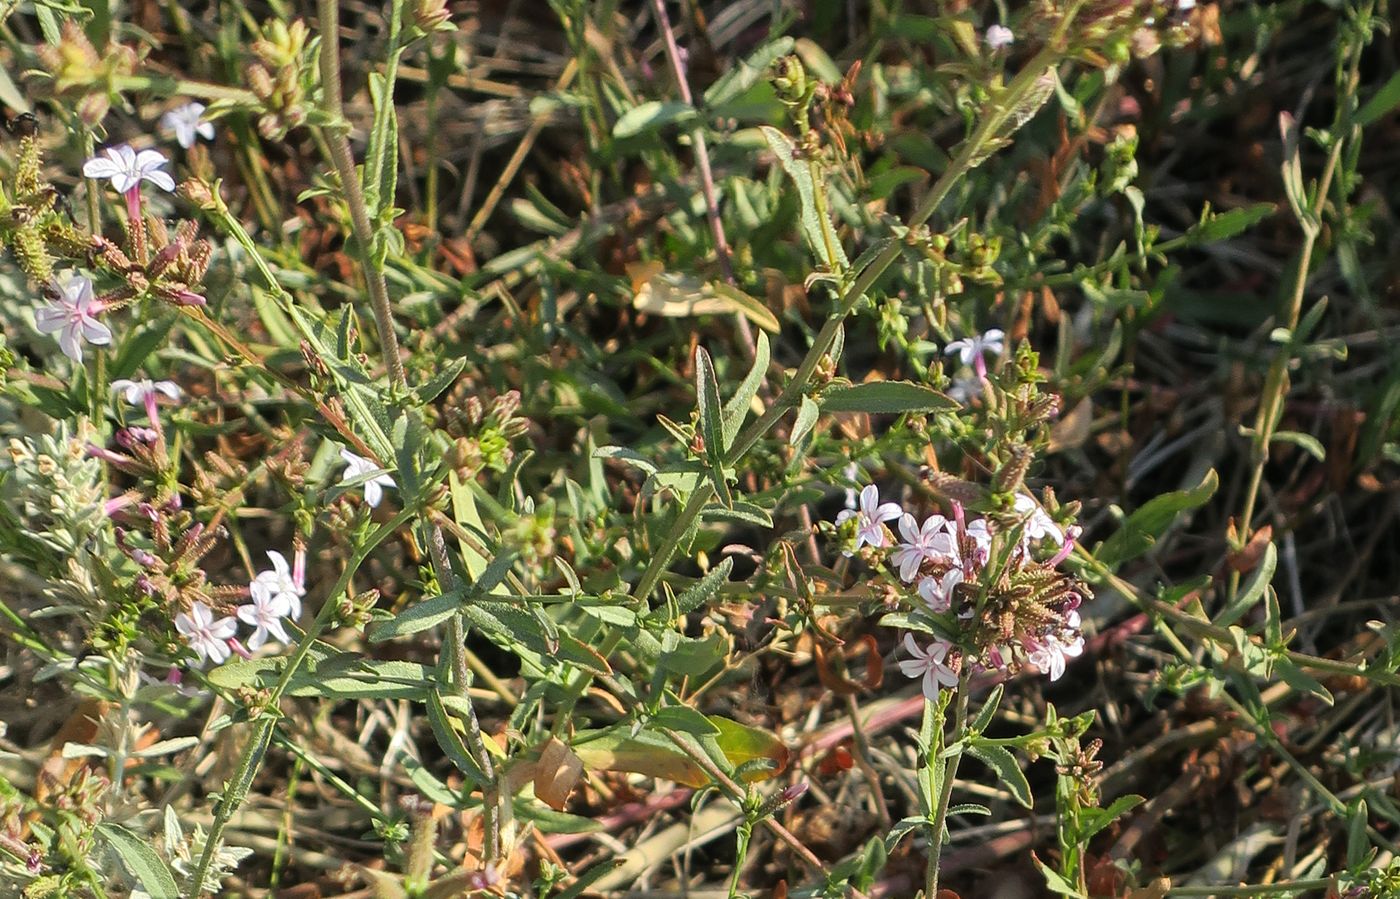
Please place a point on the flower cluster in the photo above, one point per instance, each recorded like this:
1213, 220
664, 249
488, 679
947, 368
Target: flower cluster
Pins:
1005, 614
273, 595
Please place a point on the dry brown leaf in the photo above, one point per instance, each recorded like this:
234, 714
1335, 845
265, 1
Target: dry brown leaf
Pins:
558, 772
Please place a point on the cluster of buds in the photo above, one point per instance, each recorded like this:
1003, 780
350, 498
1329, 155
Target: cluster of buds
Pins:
31, 225
1113, 32
280, 77
484, 433
987, 586
79, 77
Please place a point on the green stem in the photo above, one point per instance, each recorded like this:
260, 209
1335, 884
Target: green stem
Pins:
938, 823
1259, 889
974, 150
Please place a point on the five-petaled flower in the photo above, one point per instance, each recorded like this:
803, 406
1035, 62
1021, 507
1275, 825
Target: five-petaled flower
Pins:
283, 582
185, 123
970, 350
938, 591
929, 664
1039, 524
207, 638
931, 543
358, 467
870, 518
265, 613
126, 168
147, 393
1050, 654
73, 314
999, 36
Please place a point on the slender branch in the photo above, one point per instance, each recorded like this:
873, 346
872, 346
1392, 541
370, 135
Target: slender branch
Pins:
339, 145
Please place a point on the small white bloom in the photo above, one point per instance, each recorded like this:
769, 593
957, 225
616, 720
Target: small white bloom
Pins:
938, 592
138, 393
184, 122
1039, 524
927, 543
1053, 652
1185, 5
928, 664
870, 517
964, 389
281, 583
74, 315
999, 36
126, 168
359, 466
207, 637
265, 613
971, 350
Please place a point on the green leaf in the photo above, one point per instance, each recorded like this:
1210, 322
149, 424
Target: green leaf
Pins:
417, 617
1358, 843
707, 400
432, 388
685, 719
700, 592
821, 236
902, 828
970, 808
1227, 224
989, 708
886, 397
692, 656
1287, 671
1381, 103
650, 116
737, 81
1144, 526
807, 415
1055, 882
747, 305
1306, 442
737, 409
1262, 576
330, 676
450, 741
1000, 760
631, 457
739, 513
140, 861
1091, 821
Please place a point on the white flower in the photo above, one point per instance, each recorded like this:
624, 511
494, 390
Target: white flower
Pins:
849, 473
928, 664
970, 350
999, 36
938, 592
184, 122
126, 168
139, 393
870, 518
930, 542
981, 540
207, 637
265, 613
1039, 524
359, 466
74, 315
964, 389
1052, 653
1185, 5
282, 583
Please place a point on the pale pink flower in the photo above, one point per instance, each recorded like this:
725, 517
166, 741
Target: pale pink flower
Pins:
185, 123
126, 168
147, 393
999, 36
207, 638
970, 350
73, 314
870, 517
1052, 652
359, 466
928, 664
1039, 525
283, 583
938, 591
929, 542
265, 614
